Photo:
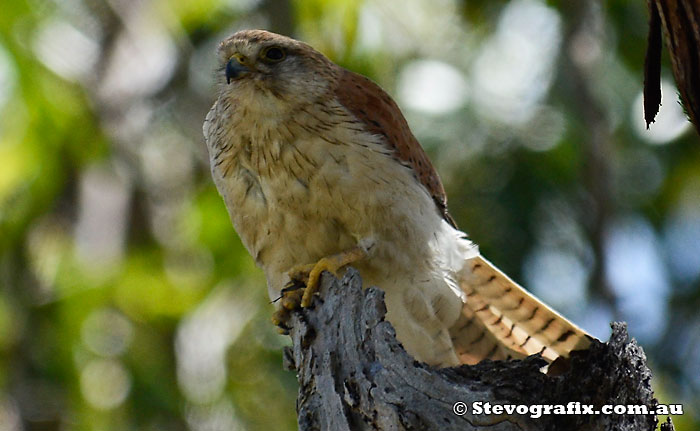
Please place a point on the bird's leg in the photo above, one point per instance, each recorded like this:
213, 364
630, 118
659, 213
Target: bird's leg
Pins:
290, 298
310, 274
295, 294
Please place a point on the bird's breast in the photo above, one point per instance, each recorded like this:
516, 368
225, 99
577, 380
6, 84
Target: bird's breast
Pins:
309, 188
290, 201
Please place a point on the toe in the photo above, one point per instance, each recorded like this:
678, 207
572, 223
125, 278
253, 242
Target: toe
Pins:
292, 300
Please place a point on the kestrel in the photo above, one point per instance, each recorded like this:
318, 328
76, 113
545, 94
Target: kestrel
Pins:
319, 169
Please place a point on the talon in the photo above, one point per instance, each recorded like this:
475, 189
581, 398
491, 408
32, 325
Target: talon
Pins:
325, 264
294, 284
289, 300
311, 273
292, 299
280, 318
300, 273
294, 294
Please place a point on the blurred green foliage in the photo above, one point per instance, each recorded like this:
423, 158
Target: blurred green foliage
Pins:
127, 300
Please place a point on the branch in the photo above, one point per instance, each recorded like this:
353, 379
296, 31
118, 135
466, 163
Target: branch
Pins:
354, 375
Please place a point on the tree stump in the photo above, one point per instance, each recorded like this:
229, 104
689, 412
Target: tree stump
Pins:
354, 375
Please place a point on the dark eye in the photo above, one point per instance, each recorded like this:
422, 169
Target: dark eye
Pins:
274, 54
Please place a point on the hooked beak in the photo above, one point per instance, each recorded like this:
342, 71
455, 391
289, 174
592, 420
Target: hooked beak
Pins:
236, 67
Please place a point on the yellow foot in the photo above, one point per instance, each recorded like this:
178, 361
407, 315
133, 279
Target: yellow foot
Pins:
290, 299
310, 274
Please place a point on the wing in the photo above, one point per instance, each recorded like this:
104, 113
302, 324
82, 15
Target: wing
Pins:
380, 115
501, 320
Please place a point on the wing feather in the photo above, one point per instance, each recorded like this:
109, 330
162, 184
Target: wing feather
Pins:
379, 114
500, 319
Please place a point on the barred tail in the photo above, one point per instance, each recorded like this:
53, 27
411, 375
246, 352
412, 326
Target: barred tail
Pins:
501, 320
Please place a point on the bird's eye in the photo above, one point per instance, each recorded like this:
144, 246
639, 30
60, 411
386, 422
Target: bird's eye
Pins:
274, 54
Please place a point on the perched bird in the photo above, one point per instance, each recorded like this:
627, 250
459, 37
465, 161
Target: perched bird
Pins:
319, 169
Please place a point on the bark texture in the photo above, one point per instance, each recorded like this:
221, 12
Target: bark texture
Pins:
354, 375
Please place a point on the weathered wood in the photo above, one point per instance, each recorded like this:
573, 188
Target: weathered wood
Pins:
354, 375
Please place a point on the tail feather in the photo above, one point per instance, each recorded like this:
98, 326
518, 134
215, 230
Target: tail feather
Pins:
501, 320
473, 341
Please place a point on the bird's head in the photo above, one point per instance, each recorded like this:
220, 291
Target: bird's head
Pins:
266, 72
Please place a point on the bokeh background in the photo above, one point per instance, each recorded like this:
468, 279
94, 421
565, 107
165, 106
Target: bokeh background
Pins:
126, 299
